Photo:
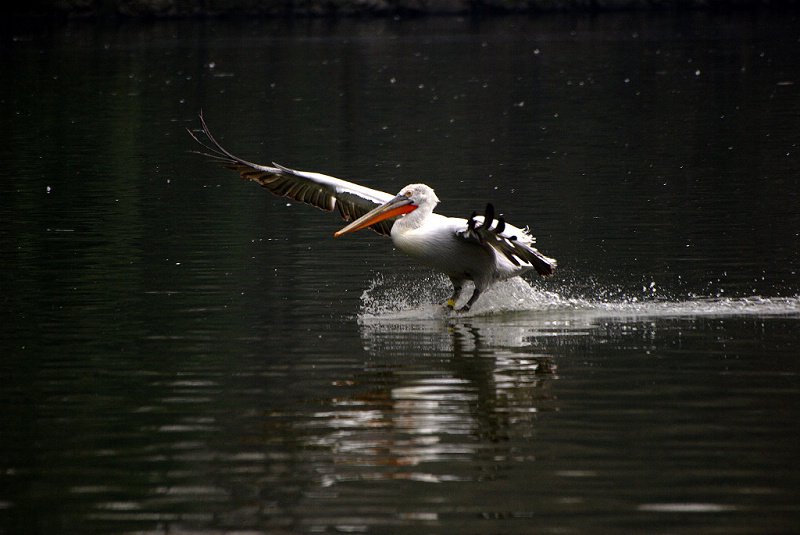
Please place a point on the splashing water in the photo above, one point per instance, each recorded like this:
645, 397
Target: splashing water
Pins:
395, 298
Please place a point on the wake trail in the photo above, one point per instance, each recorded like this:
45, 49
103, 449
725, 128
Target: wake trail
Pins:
392, 298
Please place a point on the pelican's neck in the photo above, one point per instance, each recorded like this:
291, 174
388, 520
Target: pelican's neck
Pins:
414, 220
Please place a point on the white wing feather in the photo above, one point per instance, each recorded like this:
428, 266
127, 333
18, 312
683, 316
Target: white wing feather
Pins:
323, 191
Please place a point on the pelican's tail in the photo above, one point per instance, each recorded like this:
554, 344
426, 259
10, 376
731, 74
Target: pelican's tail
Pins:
515, 244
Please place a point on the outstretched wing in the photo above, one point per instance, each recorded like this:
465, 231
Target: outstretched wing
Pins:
323, 191
514, 243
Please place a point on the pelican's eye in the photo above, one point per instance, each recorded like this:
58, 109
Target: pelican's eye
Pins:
408, 193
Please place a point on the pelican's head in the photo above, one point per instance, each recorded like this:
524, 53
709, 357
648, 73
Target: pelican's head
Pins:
421, 195
410, 198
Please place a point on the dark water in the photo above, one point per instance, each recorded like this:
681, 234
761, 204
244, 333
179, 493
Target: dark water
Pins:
183, 352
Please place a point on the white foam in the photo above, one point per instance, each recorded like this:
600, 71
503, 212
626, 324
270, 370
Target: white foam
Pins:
414, 298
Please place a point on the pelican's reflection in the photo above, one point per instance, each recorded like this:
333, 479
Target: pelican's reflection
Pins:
436, 395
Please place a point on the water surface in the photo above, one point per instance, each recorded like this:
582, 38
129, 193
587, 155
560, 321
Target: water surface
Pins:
182, 351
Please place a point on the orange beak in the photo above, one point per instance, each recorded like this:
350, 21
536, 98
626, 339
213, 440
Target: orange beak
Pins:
398, 206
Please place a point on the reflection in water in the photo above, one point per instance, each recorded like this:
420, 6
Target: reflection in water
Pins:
451, 383
437, 400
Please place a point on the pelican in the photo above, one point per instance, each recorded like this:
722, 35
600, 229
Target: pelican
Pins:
480, 249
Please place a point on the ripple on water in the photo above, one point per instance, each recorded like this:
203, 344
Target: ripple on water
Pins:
393, 299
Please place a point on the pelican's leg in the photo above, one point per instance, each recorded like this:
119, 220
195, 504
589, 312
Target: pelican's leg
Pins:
451, 303
474, 297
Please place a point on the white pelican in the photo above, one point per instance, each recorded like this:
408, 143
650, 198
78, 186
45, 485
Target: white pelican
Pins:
475, 249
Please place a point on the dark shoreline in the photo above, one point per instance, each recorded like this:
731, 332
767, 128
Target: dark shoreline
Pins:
167, 9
